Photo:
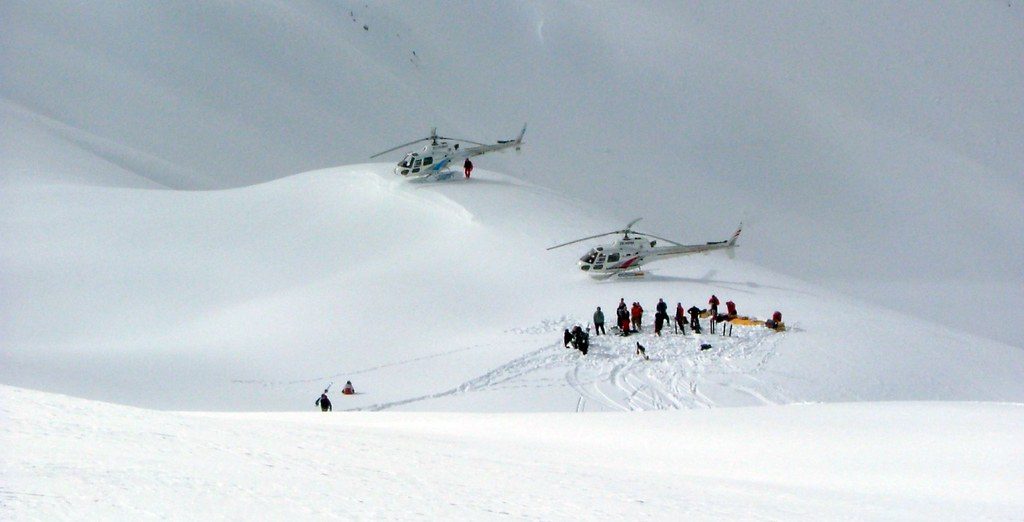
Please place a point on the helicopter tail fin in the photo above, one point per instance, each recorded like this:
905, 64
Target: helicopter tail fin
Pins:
736, 235
731, 244
519, 139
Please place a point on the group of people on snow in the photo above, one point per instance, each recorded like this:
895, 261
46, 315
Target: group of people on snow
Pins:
629, 319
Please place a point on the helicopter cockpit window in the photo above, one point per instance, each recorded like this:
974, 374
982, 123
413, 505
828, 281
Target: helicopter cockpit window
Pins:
590, 257
406, 162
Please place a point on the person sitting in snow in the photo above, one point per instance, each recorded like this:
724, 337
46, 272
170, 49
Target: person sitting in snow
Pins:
348, 389
730, 308
323, 402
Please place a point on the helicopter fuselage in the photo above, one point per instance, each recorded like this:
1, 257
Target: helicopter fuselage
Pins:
441, 153
433, 158
627, 255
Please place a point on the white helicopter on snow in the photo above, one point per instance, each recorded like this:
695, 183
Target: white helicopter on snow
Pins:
628, 254
442, 152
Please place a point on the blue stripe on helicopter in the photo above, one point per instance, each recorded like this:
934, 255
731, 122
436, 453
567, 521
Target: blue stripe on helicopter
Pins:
439, 165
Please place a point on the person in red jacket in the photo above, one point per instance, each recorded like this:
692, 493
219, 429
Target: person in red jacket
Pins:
637, 315
731, 308
713, 302
680, 319
468, 167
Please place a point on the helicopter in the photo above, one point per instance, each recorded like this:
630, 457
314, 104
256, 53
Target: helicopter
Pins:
626, 256
442, 151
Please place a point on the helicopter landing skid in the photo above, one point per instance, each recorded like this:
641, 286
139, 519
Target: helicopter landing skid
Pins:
631, 274
444, 175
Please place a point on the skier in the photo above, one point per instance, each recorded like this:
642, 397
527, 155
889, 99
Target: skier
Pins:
713, 304
323, 402
680, 318
468, 167
694, 319
599, 322
348, 389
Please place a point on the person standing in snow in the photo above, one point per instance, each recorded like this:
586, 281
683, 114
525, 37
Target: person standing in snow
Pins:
637, 314
659, 322
694, 319
468, 167
713, 304
680, 318
567, 338
323, 402
662, 307
623, 317
599, 322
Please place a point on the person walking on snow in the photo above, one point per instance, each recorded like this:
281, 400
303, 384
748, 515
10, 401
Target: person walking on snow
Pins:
599, 322
323, 402
468, 167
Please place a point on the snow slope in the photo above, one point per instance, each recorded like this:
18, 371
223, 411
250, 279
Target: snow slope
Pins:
66, 458
437, 296
881, 143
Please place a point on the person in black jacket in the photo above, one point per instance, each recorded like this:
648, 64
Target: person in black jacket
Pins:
468, 167
694, 319
323, 402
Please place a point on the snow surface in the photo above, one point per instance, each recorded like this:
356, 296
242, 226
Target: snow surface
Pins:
436, 296
66, 458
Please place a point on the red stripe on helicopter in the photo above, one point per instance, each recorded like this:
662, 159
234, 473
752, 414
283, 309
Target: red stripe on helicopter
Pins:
629, 262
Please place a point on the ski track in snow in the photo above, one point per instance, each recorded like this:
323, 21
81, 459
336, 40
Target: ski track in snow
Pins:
612, 377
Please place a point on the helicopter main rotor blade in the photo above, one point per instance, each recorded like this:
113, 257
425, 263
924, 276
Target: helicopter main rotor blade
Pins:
584, 239
460, 140
398, 147
659, 238
629, 227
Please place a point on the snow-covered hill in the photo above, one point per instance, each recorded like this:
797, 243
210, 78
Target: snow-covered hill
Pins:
873, 147
437, 296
